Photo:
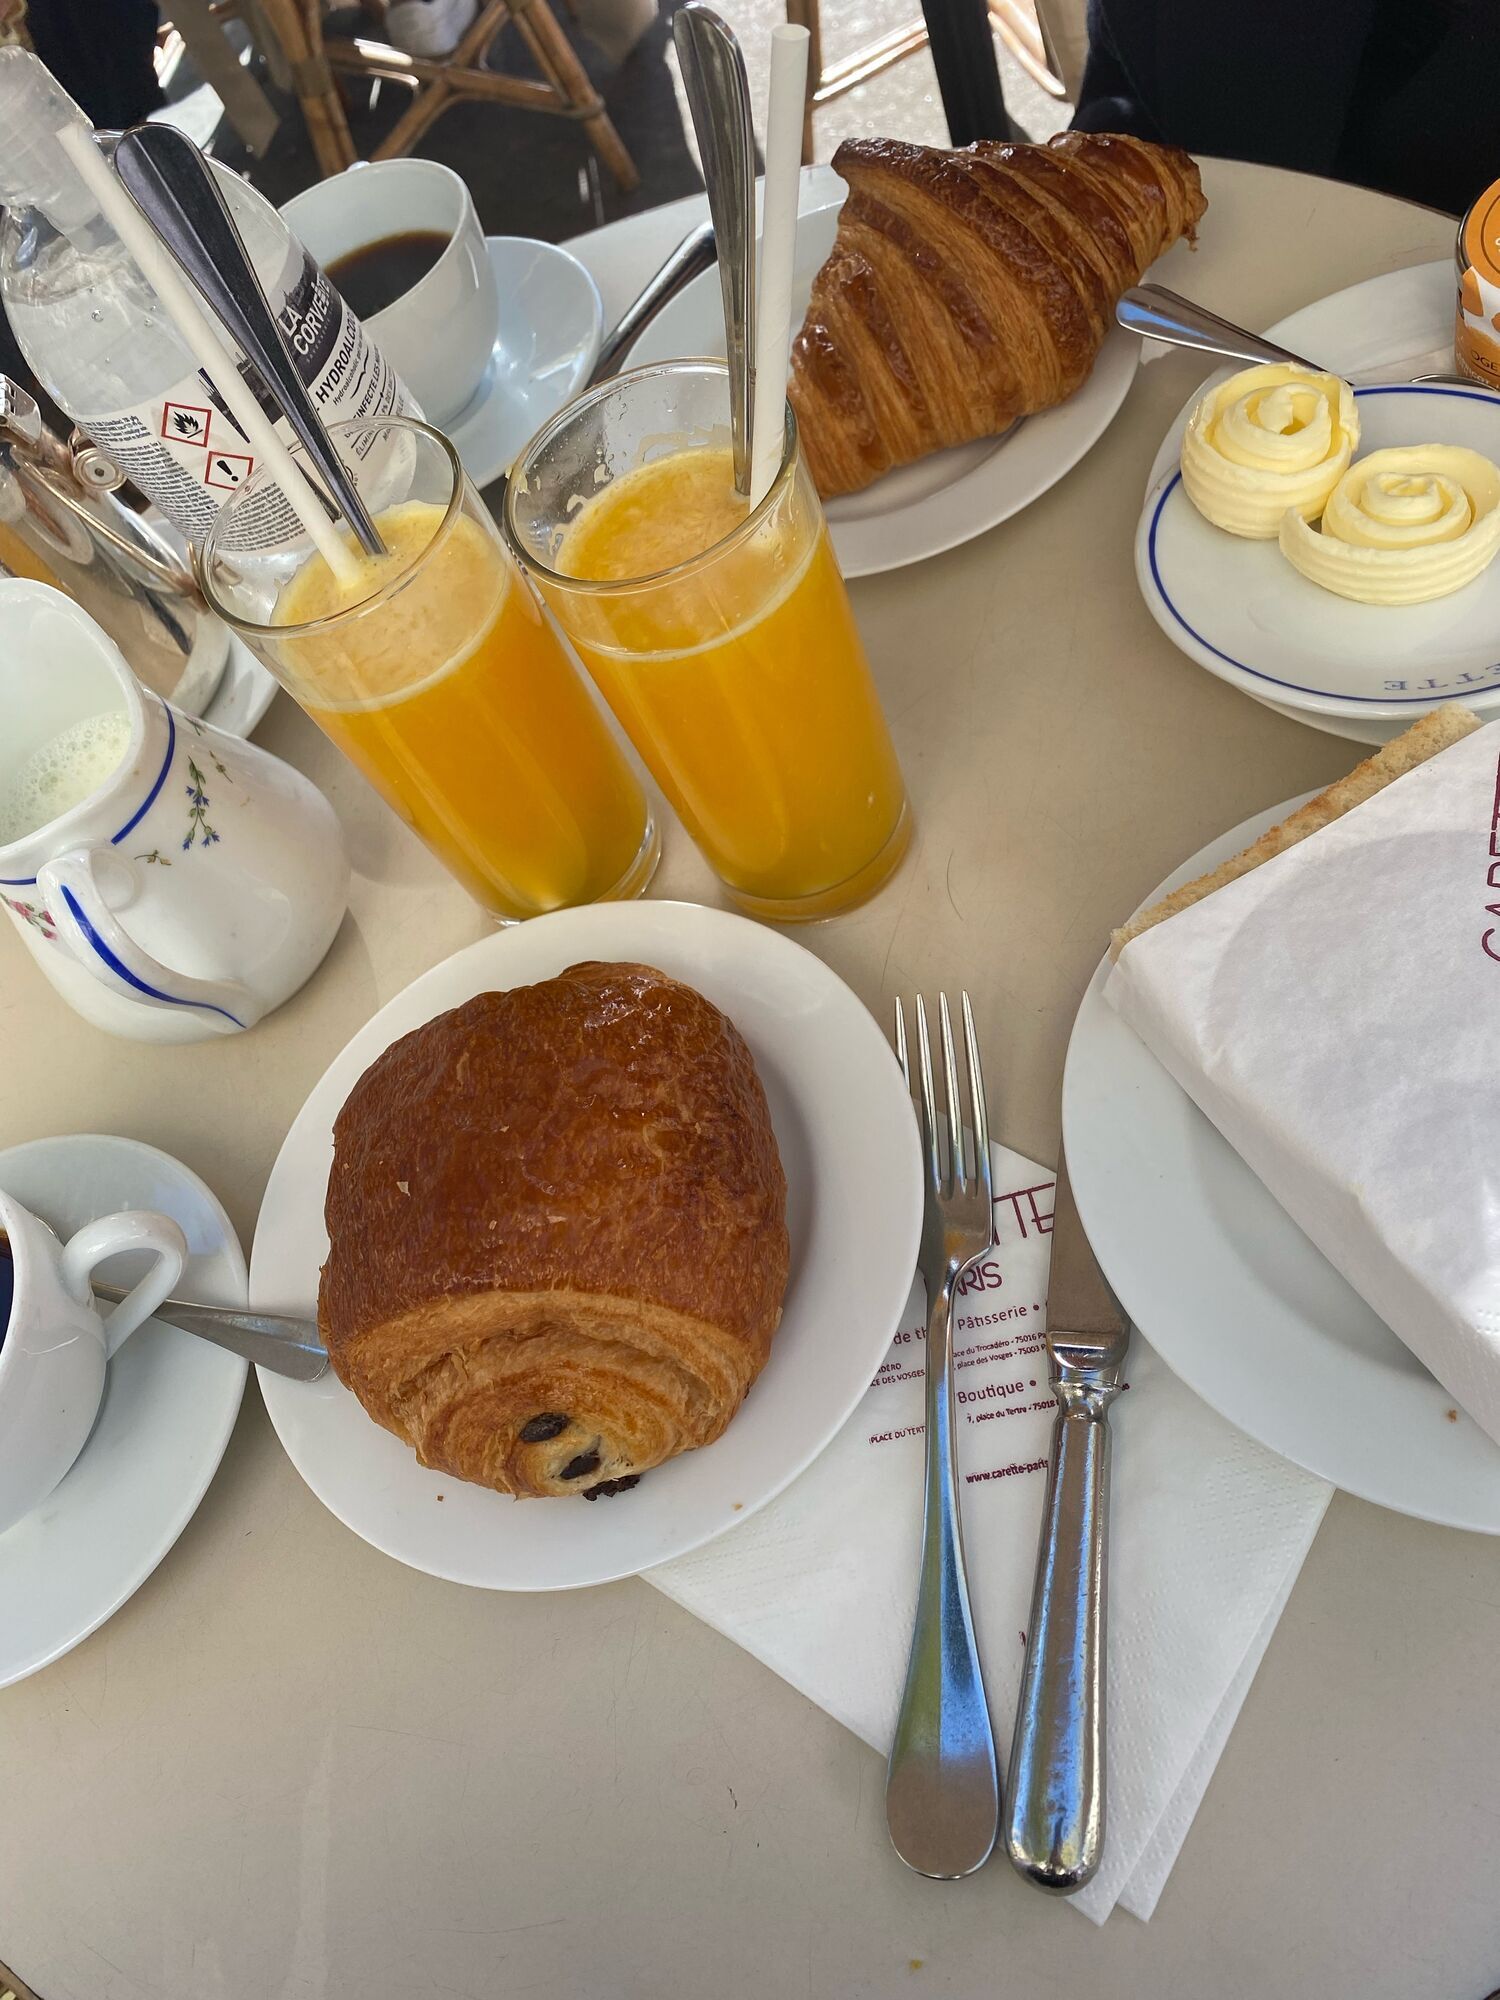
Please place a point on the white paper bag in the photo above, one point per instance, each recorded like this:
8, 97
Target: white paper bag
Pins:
1336, 1013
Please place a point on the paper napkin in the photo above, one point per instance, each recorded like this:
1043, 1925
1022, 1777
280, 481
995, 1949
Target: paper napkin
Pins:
1208, 1531
1336, 1013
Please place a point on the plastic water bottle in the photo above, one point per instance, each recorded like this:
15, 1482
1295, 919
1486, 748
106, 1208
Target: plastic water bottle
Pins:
99, 340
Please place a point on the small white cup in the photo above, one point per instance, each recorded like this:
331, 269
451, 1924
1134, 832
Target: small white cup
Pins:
55, 1344
440, 335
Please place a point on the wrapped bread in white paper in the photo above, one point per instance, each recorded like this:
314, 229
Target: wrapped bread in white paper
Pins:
1331, 1000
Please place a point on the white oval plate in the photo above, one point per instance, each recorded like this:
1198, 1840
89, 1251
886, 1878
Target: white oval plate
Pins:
170, 1401
944, 500
848, 1142
551, 324
1235, 1298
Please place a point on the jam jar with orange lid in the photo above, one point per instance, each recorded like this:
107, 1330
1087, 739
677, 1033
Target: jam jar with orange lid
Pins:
1476, 334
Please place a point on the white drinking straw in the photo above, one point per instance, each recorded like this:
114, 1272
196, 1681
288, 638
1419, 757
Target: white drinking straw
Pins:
778, 254
201, 337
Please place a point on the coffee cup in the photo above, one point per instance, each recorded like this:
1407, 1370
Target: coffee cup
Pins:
174, 883
54, 1342
440, 335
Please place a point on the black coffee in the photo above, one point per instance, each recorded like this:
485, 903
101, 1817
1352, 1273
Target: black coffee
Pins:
377, 274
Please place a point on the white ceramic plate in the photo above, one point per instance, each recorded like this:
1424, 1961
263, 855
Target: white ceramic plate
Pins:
170, 1402
918, 510
1235, 1298
1238, 607
551, 324
848, 1142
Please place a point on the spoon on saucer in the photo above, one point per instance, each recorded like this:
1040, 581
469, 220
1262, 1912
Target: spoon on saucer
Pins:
282, 1342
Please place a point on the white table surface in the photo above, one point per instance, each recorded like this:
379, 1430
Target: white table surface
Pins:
291, 1768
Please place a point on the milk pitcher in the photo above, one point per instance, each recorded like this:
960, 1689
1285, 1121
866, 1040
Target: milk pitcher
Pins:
173, 882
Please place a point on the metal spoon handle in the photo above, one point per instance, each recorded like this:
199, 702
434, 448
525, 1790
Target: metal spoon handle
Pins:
693, 255
279, 1341
1162, 315
170, 182
718, 94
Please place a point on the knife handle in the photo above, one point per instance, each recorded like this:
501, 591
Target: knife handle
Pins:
1055, 1822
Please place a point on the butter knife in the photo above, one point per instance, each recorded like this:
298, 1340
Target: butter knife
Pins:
1157, 314
1055, 1821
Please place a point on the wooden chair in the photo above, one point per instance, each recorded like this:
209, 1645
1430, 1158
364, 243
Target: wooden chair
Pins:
439, 82
1015, 21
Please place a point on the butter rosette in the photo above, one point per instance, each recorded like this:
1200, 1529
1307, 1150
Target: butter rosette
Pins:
1268, 439
1402, 526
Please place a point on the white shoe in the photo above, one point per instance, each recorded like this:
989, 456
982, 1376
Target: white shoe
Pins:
429, 27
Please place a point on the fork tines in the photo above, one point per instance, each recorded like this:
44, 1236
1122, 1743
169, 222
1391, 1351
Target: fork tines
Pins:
952, 1167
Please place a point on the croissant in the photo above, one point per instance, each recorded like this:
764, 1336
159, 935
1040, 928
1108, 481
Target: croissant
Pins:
968, 288
557, 1232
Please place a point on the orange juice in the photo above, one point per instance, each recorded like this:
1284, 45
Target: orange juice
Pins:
456, 701
22, 560
741, 680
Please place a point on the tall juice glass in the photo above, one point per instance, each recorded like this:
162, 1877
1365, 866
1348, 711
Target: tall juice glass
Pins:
439, 676
721, 638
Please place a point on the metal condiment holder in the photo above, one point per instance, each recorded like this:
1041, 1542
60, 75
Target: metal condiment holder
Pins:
59, 498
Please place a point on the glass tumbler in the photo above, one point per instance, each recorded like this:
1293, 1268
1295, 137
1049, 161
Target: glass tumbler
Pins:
722, 638
439, 676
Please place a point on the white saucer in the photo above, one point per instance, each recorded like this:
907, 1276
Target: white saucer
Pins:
244, 694
551, 325
854, 1201
1232, 1295
943, 500
170, 1402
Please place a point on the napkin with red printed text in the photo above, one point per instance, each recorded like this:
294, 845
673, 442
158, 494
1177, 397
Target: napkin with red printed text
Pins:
1208, 1532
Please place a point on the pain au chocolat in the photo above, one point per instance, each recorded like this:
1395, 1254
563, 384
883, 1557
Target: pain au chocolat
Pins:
557, 1232
968, 288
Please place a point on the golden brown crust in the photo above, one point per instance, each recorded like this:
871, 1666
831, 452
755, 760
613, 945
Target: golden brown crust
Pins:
1436, 730
968, 288
560, 1202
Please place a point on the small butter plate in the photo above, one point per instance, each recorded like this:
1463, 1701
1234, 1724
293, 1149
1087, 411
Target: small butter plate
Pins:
170, 1402
1239, 608
854, 1203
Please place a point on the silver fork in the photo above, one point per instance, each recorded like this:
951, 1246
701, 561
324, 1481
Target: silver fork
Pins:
942, 1791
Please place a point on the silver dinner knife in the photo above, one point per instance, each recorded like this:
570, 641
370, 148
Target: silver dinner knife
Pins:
1054, 1829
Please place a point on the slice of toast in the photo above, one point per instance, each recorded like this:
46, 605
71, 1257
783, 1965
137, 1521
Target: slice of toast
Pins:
1432, 732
